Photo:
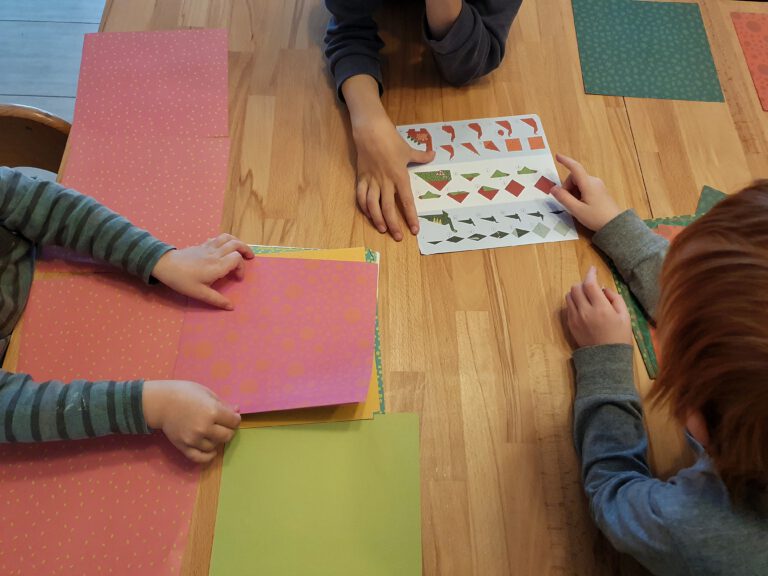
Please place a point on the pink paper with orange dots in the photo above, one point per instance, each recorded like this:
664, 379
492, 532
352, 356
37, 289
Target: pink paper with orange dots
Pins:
149, 139
120, 503
301, 335
173, 187
146, 84
752, 30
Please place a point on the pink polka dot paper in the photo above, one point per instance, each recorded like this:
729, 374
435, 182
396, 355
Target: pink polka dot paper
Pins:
172, 187
117, 505
752, 30
171, 82
99, 327
301, 335
113, 505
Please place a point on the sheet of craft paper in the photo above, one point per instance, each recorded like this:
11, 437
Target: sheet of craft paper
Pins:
177, 196
752, 30
337, 499
95, 505
339, 413
645, 49
301, 335
119, 504
160, 83
488, 186
100, 326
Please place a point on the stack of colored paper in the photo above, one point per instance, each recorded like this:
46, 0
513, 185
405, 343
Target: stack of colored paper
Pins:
302, 335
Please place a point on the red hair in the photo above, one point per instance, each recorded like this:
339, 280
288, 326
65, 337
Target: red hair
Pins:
713, 327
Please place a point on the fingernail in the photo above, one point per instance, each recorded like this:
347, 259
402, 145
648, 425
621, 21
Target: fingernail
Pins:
230, 307
415, 230
398, 237
382, 229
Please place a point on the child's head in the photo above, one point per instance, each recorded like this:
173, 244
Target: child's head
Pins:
713, 328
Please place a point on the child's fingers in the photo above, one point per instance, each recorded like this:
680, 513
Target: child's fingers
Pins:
389, 210
374, 208
235, 245
616, 300
198, 456
567, 199
210, 296
579, 298
409, 206
421, 156
232, 262
570, 310
227, 417
361, 191
577, 170
220, 434
591, 289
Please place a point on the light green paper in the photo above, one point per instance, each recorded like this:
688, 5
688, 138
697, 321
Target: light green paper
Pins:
338, 499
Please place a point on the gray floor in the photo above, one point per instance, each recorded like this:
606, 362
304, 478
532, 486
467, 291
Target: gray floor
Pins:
40, 46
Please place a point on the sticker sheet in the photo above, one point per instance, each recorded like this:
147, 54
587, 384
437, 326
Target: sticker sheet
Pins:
488, 186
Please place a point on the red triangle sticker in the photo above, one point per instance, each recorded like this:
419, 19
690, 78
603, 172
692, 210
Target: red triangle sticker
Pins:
488, 192
458, 196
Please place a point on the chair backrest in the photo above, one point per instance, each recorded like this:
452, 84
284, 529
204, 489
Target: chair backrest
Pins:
31, 137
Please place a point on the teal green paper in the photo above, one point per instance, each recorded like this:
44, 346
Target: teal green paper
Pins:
645, 50
338, 499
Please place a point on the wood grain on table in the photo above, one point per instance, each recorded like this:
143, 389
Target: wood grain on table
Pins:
471, 341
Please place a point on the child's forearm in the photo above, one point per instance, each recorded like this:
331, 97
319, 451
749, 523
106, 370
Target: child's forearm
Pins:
442, 15
611, 443
46, 213
361, 93
38, 412
637, 252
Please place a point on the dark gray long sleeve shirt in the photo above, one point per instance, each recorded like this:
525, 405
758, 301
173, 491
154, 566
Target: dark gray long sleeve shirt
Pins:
686, 525
473, 47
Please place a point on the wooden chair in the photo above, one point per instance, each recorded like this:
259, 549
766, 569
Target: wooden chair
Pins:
31, 137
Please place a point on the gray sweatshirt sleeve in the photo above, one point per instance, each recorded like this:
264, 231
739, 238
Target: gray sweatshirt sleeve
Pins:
475, 45
352, 41
611, 443
638, 254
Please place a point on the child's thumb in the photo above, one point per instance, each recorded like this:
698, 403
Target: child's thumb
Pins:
422, 156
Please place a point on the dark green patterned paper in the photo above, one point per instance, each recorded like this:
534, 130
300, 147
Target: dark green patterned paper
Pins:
645, 50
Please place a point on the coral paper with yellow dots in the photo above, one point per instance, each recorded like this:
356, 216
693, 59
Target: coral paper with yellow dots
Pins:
301, 335
115, 502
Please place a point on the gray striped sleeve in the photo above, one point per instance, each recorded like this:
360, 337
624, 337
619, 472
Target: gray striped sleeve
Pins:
35, 412
49, 214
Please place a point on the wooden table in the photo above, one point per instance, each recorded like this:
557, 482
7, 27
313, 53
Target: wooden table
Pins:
471, 341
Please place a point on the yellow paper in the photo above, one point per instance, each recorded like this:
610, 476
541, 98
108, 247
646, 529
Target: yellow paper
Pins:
343, 412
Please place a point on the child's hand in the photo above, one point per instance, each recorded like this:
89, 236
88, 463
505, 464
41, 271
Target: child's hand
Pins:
597, 316
190, 415
585, 196
382, 174
191, 271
